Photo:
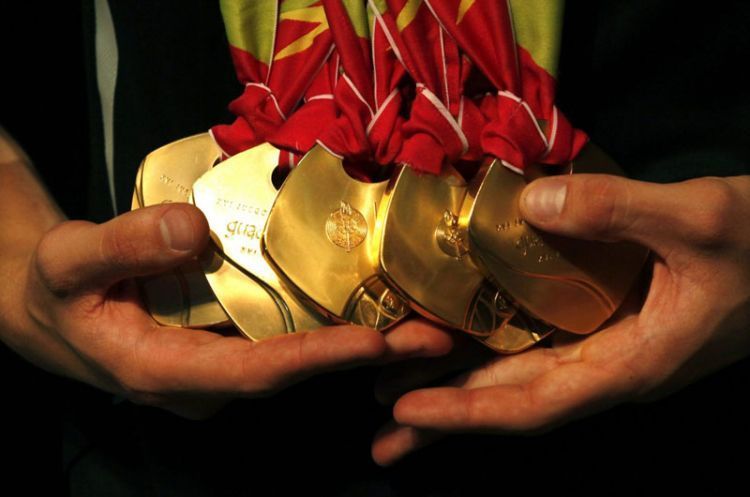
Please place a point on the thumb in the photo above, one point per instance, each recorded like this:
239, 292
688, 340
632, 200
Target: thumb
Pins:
611, 208
77, 255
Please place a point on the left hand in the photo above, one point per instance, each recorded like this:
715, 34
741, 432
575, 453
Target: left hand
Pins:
695, 318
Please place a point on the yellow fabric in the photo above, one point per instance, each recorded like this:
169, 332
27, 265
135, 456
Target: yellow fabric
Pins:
299, 10
250, 25
538, 28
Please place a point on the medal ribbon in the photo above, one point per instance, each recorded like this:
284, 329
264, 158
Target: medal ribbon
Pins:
278, 47
367, 97
524, 124
436, 130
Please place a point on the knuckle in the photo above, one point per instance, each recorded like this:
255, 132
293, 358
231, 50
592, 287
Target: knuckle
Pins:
713, 222
120, 249
601, 203
50, 261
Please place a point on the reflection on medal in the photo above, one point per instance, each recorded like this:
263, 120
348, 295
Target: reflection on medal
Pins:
571, 284
255, 309
321, 236
181, 297
236, 197
424, 252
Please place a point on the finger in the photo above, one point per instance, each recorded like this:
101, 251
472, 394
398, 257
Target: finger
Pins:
169, 361
394, 441
511, 370
418, 338
396, 379
566, 393
81, 255
611, 208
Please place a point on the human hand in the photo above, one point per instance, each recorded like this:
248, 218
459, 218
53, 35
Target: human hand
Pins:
695, 317
77, 313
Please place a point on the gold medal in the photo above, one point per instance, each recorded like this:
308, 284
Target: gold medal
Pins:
424, 253
236, 196
181, 297
571, 284
255, 309
322, 236
137, 201
517, 334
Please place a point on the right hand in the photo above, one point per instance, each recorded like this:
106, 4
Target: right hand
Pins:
77, 313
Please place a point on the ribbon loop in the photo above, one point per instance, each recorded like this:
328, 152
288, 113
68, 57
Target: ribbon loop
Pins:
431, 135
258, 116
367, 98
488, 33
278, 48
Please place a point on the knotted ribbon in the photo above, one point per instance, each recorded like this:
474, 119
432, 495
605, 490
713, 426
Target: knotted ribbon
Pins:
368, 96
278, 48
524, 125
438, 129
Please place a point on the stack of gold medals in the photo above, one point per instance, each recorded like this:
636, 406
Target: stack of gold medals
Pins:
374, 170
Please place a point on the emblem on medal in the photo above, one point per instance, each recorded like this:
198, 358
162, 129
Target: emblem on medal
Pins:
346, 227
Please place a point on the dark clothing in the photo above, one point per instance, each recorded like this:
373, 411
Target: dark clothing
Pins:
657, 84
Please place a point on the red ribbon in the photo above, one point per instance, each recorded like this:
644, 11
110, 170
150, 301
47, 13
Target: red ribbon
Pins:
368, 98
438, 128
300, 131
273, 91
525, 91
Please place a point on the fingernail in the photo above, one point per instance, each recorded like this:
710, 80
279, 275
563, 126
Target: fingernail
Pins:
545, 199
177, 230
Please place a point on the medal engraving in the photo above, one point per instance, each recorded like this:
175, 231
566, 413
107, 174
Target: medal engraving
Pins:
346, 227
236, 197
449, 237
571, 284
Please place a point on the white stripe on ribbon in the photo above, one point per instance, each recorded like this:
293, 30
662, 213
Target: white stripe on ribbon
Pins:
445, 69
223, 152
553, 131
387, 33
357, 93
322, 96
382, 108
273, 97
340, 157
435, 101
526, 107
374, 65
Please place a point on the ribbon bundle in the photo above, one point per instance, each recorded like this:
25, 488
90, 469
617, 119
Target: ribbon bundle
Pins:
420, 82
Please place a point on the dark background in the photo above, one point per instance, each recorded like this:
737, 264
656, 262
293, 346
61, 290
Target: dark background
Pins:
658, 84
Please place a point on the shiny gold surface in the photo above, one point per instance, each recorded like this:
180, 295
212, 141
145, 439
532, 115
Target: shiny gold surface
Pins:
251, 306
572, 284
424, 253
181, 297
170, 171
517, 334
137, 201
322, 236
236, 197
